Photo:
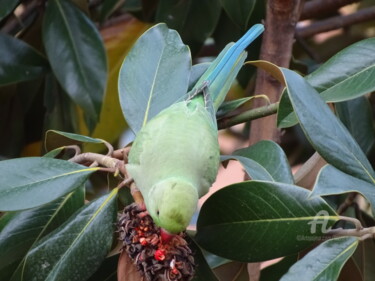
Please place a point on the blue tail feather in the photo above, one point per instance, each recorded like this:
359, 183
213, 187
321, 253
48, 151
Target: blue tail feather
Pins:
233, 53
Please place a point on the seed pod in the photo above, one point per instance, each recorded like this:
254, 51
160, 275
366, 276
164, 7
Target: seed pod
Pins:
155, 261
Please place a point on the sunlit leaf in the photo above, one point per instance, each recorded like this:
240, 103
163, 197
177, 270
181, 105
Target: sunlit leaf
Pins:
146, 83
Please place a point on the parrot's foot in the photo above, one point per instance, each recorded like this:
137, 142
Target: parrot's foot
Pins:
143, 243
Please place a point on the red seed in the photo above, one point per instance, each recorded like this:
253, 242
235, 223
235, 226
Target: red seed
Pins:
159, 255
143, 241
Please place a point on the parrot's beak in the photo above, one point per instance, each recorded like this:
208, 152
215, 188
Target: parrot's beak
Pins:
165, 236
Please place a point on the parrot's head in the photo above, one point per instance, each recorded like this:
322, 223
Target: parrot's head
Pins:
172, 203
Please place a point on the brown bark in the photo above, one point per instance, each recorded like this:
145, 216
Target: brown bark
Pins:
281, 19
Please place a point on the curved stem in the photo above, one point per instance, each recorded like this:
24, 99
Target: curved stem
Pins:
248, 115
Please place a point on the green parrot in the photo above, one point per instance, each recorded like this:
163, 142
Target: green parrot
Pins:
175, 157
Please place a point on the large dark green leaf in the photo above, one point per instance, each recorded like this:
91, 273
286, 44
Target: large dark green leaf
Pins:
6, 6
357, 117
30, 182
19, 61
27, 227
154, 75
255, 221
347, 75
77, 248
324, 262
77, 56
194, 20
332, 181
239, 11
325, 132
55, 139
271, 156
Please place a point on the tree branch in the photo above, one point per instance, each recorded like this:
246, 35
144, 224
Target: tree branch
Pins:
319, 8
248, 115
337, 22
278, 37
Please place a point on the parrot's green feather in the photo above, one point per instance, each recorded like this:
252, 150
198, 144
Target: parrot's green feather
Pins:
175, 157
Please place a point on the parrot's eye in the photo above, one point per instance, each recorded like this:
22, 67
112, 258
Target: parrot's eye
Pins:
157, 212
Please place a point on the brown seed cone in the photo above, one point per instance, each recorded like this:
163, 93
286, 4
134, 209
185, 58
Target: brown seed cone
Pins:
154, 260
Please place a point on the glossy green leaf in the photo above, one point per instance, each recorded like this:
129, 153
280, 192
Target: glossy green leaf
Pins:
55, 139
270, 156
239, 11
154, 75
325, 132
6, 7
79, 62
30, 182
324, 262
333, 181
19, 61
75, 250
347, 75
194, 20
357, 117
276, 271
203, 271
27, 227
256, 221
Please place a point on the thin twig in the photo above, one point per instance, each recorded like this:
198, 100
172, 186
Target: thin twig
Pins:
248, 115
319, 8
76, 148
336, 22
